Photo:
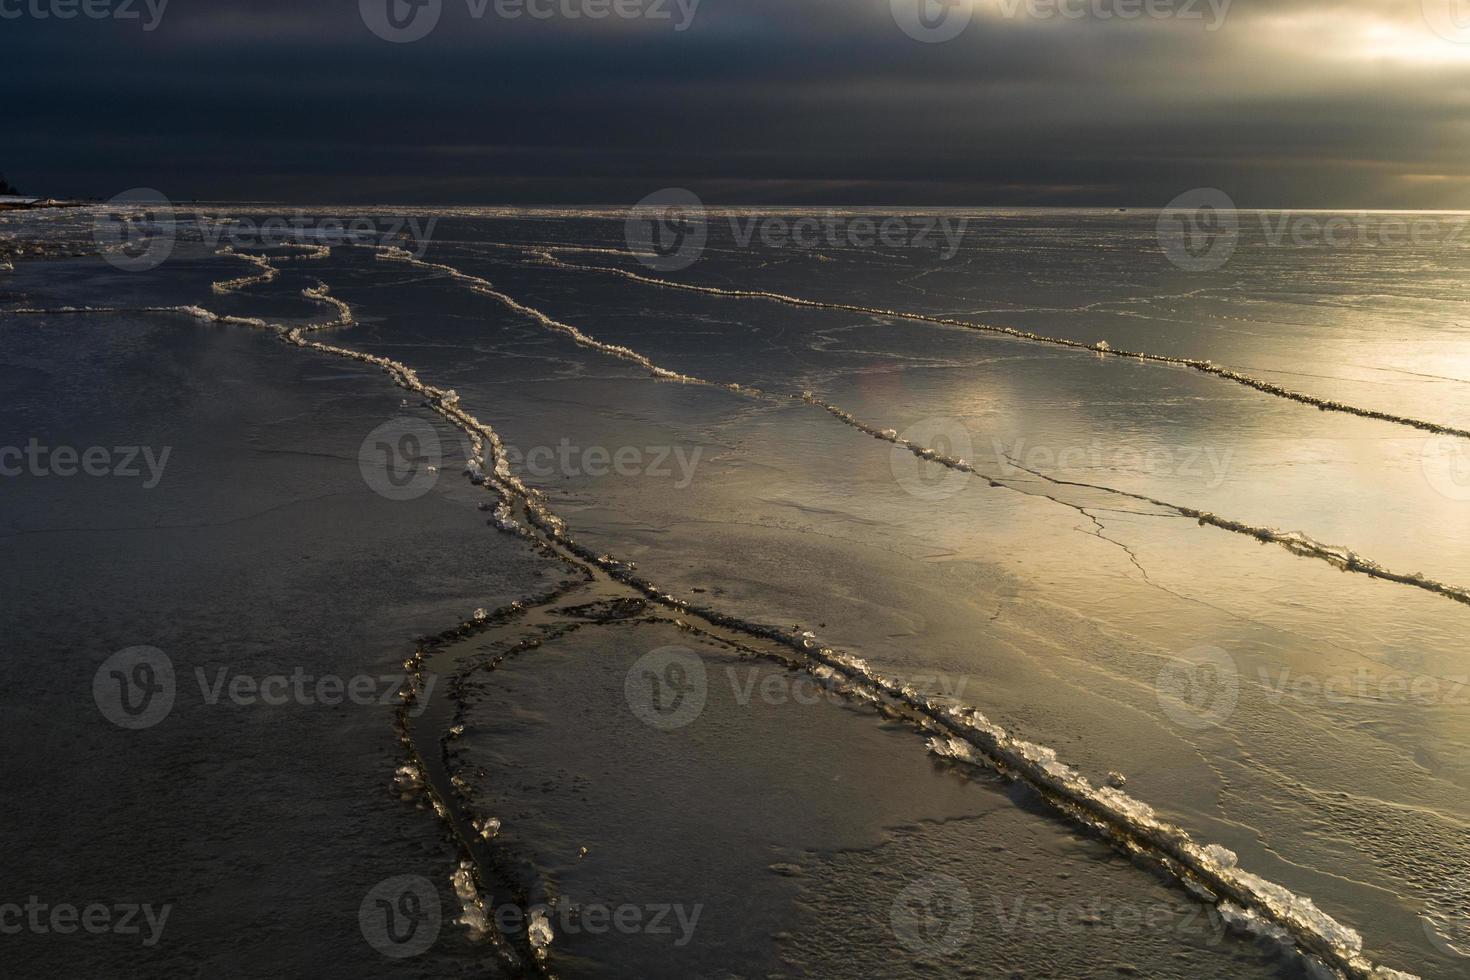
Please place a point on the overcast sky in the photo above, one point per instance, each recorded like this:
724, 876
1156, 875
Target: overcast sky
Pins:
1305, 103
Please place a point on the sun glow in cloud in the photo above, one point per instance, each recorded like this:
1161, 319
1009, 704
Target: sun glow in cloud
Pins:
1411, 43
1409, 38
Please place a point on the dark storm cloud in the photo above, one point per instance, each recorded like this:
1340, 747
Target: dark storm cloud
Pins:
1292, 102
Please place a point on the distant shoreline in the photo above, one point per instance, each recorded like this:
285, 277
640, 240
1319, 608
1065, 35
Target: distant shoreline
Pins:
39, 204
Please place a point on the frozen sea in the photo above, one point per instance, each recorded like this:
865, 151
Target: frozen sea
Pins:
484, 592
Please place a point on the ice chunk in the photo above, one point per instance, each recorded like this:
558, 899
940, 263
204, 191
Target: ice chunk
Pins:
539, 931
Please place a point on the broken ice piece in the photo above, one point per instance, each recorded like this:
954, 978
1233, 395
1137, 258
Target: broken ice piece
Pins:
463, 880
407, 779
539, 931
